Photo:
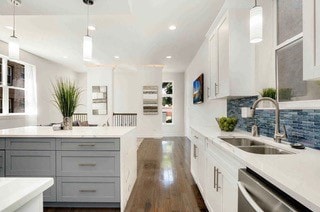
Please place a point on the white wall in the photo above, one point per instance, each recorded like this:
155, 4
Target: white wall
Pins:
265, 55
99, 77
201, 114
46, 73
128, 97
82, 83
177, 128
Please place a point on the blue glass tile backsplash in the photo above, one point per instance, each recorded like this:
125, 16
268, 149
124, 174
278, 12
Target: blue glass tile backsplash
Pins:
302, 125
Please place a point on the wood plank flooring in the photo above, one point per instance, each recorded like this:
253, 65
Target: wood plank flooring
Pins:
164, 182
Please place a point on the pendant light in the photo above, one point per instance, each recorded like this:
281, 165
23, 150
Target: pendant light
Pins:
87, 39
256, 23
13, 46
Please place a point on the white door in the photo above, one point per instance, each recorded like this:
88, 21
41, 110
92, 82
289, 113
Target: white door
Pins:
214, 66
213, 197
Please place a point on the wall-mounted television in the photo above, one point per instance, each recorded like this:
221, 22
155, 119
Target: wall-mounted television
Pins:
198, 90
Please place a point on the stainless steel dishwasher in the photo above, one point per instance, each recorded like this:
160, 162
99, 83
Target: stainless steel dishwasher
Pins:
258, 195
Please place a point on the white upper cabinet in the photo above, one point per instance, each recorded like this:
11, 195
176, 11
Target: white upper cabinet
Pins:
311, 41
231, 56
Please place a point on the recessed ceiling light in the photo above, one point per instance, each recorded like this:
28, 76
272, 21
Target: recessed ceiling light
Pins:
172, 27
9, 27
65, 57
91, 27
169, 57
116, 57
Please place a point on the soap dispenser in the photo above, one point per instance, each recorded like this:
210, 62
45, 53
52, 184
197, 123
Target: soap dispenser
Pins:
255, 130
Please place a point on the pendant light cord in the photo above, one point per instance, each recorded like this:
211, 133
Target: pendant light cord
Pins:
14, 20
88, 20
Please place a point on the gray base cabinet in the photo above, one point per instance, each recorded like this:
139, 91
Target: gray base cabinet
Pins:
84, 169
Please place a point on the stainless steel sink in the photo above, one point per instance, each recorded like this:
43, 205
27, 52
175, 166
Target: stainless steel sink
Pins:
242, 141
252, 146
264, 150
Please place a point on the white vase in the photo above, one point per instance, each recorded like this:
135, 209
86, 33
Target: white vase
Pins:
67, 123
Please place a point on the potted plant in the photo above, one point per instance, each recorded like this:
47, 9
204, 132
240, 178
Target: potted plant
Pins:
66, 97
268, 92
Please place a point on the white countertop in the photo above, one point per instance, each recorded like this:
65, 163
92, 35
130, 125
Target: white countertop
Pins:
76, 132
296, 174
15, 192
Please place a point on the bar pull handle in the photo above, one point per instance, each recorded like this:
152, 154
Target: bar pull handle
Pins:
214, 177
217, 185
91, 191
195, 151
83, 145
216, 89
196, 137
87, 164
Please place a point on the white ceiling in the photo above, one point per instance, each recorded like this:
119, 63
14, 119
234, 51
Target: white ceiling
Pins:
136, 30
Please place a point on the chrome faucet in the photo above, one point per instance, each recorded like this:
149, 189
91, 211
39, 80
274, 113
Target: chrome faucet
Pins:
278, 136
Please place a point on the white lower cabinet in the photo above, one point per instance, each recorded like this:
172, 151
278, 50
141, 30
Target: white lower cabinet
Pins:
216, 174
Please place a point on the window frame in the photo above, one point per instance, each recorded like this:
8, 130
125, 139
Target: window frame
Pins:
168, 95
5, 88
303, 104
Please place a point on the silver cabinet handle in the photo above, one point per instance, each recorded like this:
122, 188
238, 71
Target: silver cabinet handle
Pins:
195, 151
214, 177
87, 164
196, 137
88, 191
217, 185
208, 92
249, 199
216, 89
83, 145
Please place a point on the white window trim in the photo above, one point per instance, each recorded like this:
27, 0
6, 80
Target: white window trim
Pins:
5, 89
172, 96
293, 105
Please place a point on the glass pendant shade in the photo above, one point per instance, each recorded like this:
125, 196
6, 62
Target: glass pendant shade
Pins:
256, 24
14, 48
87, 48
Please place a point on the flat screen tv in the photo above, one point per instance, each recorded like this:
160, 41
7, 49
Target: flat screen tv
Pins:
198, 90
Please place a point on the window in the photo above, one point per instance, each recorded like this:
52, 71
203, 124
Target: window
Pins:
289, 55
17, 95
167, 102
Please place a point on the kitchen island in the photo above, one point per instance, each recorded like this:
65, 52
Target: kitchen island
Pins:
91, 166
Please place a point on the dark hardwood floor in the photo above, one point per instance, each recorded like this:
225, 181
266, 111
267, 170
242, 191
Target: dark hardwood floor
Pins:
164, 180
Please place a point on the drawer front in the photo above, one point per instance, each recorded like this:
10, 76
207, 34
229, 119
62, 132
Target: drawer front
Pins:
2, 143
2, 156
88, 189
88, 144
89, 163
30, 144
30, 163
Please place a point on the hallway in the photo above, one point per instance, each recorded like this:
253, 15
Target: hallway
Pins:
164, 180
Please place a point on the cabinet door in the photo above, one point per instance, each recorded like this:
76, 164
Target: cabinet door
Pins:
229, 194
213, 197
193, 165
1, 163
214, 66
223, 89
201, 162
